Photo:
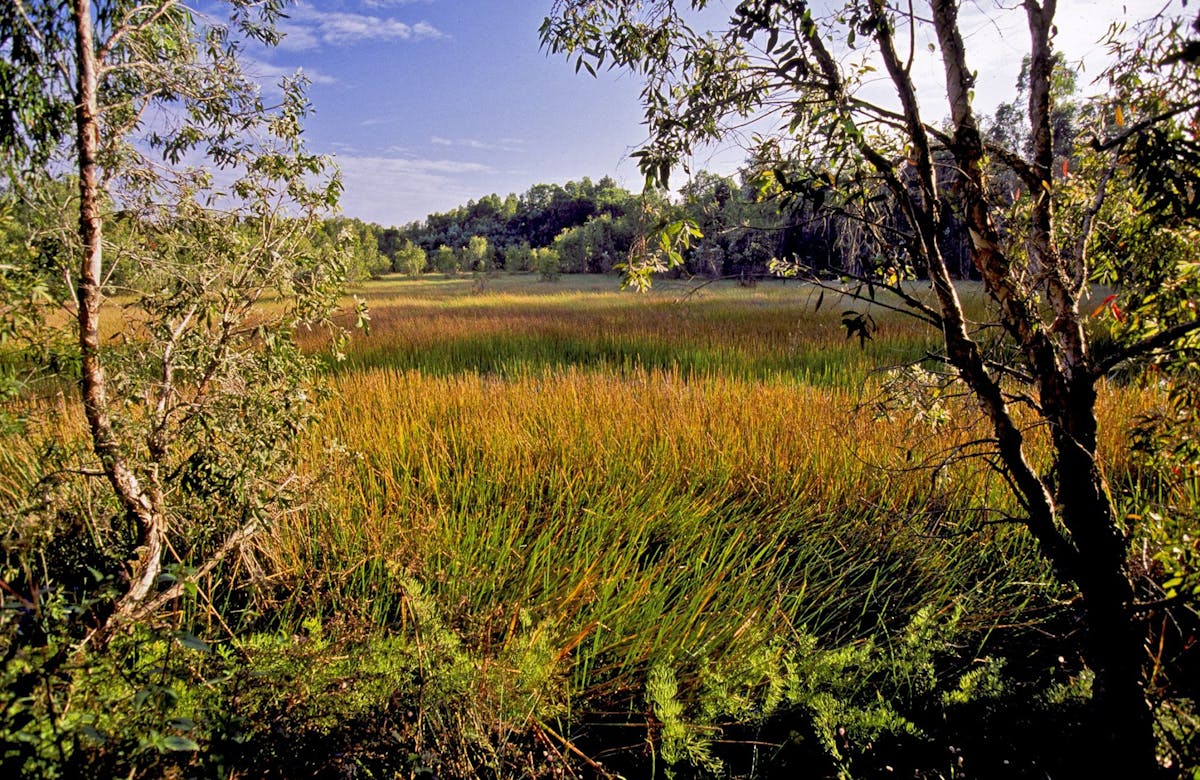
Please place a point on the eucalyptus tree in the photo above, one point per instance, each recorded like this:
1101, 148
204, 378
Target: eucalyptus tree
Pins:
824, 136
188, 269
409, 258
477, 254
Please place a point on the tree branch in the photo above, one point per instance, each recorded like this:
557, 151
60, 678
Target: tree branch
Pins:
1140, 127
1149, 344
127, 27
128, 612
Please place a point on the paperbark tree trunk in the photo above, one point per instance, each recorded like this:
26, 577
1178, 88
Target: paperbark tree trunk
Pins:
1092, 553
141, 506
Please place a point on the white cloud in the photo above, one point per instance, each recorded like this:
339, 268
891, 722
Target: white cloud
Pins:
307, 28
393, 3
426, 30
297, 37
503, 145
398, 190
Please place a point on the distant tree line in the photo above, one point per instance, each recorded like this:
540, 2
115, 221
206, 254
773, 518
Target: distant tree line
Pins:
591, 227
828, 225
579, 227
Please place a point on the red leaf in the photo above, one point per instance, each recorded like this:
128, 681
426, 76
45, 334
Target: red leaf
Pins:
1104, 305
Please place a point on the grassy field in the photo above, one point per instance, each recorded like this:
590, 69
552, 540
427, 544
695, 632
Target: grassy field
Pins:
510, 325
593, 487
563, 529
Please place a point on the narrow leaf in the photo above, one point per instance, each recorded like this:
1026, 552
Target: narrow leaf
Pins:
193, 642
180, 744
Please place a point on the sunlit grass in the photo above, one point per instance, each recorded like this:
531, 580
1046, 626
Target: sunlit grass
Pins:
680, 477
773, 330
689, 477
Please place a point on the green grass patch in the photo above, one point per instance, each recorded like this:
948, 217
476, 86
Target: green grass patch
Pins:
514, 326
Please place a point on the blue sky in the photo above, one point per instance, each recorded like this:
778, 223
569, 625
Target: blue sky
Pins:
429, 103
426, 104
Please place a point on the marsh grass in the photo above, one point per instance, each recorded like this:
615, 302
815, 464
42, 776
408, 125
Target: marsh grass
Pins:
567, 487
640, 502
678, 478
768, 331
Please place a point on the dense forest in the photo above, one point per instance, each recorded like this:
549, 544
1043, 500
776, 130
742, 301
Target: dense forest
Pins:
591, 227
747, 226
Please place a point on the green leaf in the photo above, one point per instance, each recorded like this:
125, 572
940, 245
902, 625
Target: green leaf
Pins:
192, 642
180, 744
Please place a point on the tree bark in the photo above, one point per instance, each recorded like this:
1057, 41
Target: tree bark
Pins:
1115, 640
1124, 744
139, 505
